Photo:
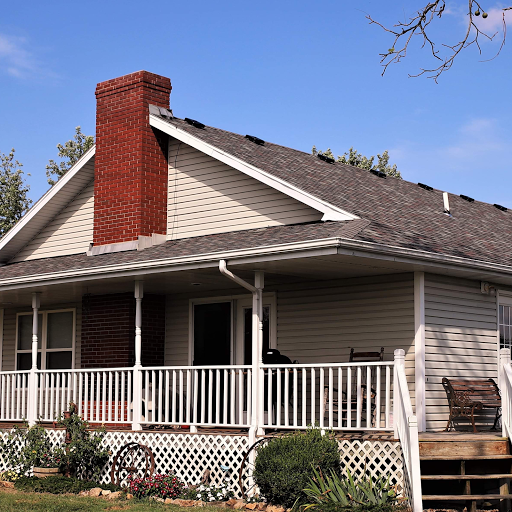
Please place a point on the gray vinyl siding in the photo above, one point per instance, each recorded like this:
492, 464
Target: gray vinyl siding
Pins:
206, 196
70, 232
320, 321
9, 332
460, 339
176, 331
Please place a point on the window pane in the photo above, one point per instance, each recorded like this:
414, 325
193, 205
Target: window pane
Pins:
60, 330
25, 331
58, 360
25, 361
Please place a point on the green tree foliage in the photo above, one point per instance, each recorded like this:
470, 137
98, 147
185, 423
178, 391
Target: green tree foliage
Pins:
353, 157
13, 192
70, 152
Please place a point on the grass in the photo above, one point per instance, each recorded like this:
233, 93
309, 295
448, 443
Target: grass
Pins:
16, 501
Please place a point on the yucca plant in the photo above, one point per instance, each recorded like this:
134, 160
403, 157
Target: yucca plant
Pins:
345, 491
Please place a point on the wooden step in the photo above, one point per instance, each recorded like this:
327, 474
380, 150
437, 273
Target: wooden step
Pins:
466, 497
464, 447
464, 457
504, 476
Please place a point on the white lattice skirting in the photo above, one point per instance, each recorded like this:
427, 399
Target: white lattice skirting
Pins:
378, 457
189, 455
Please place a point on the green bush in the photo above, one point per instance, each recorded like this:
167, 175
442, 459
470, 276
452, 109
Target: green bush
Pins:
284, 466
58, 485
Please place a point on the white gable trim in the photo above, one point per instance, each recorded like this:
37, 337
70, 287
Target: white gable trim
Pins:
56, 190
330, 212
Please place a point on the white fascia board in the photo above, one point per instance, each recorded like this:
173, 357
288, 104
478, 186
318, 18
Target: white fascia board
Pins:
47, 197
330, 211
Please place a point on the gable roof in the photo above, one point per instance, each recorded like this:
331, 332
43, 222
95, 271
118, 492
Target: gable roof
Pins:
400, 213
50, 204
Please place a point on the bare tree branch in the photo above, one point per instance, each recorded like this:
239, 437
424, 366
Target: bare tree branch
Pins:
419, 25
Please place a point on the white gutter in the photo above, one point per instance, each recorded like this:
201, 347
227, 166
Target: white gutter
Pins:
257, 341
325, 246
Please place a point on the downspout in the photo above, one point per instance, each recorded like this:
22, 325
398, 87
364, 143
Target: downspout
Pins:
257, 331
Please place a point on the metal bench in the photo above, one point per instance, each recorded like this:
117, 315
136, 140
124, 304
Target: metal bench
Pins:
466, 396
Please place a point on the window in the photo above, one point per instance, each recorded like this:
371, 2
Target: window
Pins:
56, 340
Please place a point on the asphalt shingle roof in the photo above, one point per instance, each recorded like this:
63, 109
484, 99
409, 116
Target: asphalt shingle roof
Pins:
392, 212
400, 212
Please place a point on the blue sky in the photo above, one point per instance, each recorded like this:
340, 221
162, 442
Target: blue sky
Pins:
292, 72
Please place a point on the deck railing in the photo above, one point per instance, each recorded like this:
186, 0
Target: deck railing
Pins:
14, 395
506, 392
101, 396
337, 396
406, 429
197, 396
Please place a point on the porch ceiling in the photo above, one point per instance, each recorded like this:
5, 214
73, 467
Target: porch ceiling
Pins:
208, 279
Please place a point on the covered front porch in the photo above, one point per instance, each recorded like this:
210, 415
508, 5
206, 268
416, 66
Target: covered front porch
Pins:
207, 355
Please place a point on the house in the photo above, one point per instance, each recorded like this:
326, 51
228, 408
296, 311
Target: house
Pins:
147, 283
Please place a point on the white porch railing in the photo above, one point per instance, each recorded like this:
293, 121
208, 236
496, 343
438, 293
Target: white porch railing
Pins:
505, 381
102, 395
14, 395
337, 396
197, 396
406, 429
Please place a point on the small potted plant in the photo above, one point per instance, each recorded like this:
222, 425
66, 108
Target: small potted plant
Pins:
47, 464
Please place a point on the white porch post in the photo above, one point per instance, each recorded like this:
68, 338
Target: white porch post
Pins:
399, 361
419, 349
504, 359
32, 381
137, 368
257, 345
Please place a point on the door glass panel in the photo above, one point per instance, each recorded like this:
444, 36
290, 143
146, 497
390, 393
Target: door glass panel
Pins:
60, 330
58, 360
212, 334
505, 321
25, 331
248, 332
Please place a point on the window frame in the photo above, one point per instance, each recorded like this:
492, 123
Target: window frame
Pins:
44, 337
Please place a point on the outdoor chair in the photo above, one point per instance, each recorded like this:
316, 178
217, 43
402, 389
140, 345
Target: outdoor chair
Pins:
359, 357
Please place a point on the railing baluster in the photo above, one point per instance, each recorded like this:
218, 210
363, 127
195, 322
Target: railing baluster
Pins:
217, 396
167, 401
203, 395
241, 397
210, 396
368, 397
377, 399
189, 393
349, 397
321, 388
295, 391
331, 398
181, 396
388, 395
278, 399
358, 399
304, 398
313, 378
270, 405
225, 385
232, 401
286, 396
174, 393
196, 395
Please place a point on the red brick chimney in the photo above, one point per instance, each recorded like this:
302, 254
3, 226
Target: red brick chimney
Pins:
130, 174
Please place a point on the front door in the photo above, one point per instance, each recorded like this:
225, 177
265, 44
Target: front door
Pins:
212, 347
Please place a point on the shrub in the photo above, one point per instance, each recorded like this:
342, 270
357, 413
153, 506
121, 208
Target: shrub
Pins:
26, 447
58, 485
284, 466
161, 486
331, 489
85, 455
